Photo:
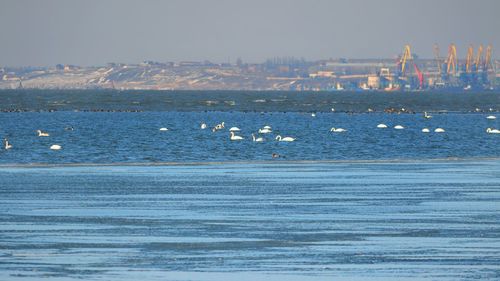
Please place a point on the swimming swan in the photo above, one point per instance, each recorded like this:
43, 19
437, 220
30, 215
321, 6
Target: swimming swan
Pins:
337, 130
163, 129
203, 126
492, 131
491, 117
6, 144
234, 129
257, 139
382, 126
399, 127
218, 127
55, 147
288, 139
426, 130
235, 137
42, 134
439, 130
267, 127
265, 131
427, 116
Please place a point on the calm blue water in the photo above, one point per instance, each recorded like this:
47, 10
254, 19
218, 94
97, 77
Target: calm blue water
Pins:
135, 137
423, 220
247, 218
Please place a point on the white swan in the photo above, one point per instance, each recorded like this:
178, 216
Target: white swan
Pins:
382, 126
265, 131
439, 130
491, 117
203, 126
267, 127
163, 129
399, 127
426, 130
6, 144
313, 114
42, 134
257, 139
55, 147
218, 127
492, 131
337, 130
235, 137
234, 129
427, 116
288, 139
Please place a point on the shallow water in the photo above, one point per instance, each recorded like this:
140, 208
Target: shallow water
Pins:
423, 220
102, 137
366, 204
257, 101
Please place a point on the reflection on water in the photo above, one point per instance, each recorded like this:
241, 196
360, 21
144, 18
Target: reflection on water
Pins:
431, 220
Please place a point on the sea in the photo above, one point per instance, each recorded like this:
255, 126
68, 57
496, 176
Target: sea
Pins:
124, 200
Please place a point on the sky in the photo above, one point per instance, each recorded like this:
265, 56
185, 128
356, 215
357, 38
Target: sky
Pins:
95, 32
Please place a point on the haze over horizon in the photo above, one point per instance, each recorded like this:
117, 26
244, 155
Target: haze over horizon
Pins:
44, 33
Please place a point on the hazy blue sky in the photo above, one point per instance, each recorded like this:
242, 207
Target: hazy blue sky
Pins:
93, 32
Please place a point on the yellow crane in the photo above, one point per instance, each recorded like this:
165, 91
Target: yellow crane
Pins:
404, 58
452, 60
469, 58
479, 57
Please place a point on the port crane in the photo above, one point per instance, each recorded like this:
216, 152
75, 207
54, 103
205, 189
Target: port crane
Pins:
479, 58
473, 71
407, 58
487, 64
420, 76
452, 60
468, 59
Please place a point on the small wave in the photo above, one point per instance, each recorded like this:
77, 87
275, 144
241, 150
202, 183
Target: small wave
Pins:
257, 162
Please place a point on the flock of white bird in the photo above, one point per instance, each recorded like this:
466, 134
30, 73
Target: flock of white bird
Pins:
232, 133
267, 130
40, 133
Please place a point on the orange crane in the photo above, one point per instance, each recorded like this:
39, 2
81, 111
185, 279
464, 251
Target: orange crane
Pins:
487, 64
479, 57
469, 58
452, 60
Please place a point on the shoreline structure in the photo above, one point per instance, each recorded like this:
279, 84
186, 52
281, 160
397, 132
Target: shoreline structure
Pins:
406, 73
